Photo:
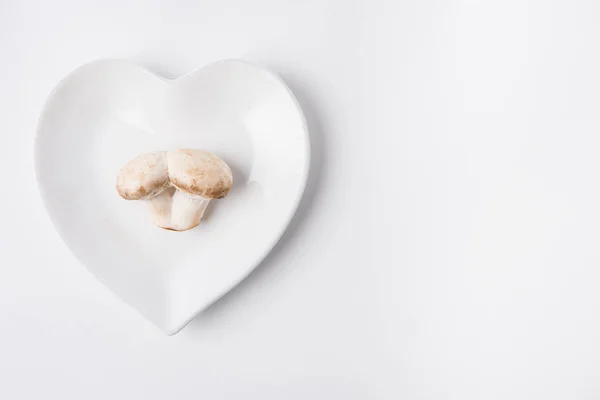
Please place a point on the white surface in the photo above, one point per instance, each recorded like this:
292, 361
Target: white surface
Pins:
446, 247
106, 112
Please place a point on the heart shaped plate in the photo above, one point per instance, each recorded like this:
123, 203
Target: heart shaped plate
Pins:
106, 112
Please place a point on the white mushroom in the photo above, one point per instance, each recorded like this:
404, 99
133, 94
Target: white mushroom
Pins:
146, 178
198, 176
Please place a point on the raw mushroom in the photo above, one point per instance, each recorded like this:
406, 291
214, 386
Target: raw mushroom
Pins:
178, 185
146, 178
198, 176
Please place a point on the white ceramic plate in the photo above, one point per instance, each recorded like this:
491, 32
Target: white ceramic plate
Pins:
106, 112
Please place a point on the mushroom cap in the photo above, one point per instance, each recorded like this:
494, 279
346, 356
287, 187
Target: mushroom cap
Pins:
199, 173
143, 177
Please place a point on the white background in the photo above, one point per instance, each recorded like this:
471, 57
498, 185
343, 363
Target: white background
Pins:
447, 245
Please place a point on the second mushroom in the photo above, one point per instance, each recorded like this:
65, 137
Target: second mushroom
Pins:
178, 184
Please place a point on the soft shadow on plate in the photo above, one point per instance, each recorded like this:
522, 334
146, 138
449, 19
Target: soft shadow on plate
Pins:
267, 270
240, 181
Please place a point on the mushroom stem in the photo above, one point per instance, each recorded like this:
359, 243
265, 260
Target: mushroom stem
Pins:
187, 211
160, 207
